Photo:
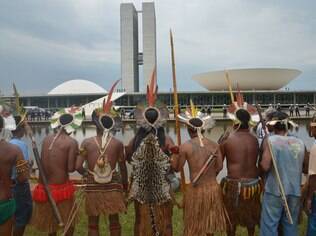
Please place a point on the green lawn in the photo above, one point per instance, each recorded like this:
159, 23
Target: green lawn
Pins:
127, 221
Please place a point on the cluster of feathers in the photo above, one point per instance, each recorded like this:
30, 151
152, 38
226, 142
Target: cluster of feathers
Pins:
150, 167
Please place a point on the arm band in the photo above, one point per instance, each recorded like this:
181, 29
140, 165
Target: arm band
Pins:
22, 166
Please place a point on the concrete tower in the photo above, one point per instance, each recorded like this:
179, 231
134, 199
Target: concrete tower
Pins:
129, 47
149, 40
131, 58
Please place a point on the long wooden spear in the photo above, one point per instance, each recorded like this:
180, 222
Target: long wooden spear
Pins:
276, 171
38, 161
176, 106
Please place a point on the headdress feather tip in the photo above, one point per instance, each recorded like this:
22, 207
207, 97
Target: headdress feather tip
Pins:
108, 104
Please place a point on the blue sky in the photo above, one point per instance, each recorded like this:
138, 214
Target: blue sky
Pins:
44, 43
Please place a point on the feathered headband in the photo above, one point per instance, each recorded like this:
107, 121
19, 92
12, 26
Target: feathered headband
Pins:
285, 121
239, 103
100, 114
142, 111
19, 110
196, 120
68, 118
104, 117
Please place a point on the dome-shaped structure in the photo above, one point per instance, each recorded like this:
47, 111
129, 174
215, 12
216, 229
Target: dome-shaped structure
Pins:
248, 79
77, 86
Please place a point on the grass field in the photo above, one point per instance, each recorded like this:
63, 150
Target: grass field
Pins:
127, 222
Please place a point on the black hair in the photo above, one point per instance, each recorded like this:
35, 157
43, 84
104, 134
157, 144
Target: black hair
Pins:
196, 122
142, 133
106, 121
1, 122
244, 118
280, 126
151, 115
65, 119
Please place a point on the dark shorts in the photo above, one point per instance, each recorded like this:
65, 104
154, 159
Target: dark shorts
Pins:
23, 198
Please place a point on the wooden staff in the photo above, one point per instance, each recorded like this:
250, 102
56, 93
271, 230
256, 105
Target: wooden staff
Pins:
277, 174
209, 161
38, 162
176, 106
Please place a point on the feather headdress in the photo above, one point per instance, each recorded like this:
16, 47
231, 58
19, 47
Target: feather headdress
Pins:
196, 120
142, 111
19, 110
238, 103
104, 117
69, 119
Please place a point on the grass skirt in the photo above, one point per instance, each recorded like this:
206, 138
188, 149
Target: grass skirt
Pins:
107, 203
204, 210
163, 218
43, 218
242, 201
107, 199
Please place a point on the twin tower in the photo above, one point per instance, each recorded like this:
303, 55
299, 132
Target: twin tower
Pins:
131, 57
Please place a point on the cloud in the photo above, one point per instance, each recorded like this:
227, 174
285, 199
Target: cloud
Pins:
44, 43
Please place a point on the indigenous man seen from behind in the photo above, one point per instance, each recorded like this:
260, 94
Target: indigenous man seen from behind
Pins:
58, 157
311, 197
204, 210
289, 154
21, 191
105, 185
10, 157
242, 186
148, 153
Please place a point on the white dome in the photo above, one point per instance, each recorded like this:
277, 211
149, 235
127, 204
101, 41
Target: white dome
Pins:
77, 86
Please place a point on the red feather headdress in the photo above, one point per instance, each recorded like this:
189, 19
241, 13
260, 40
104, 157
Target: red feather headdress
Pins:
152, 89
238, 102
107, 105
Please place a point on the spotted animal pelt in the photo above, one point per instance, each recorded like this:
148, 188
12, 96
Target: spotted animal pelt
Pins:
150, 166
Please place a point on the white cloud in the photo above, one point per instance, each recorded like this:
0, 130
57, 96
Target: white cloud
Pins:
209, 35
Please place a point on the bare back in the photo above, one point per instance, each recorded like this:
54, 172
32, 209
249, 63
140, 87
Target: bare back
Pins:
241, 151
60, 160
114, 151
8, 157
196, 156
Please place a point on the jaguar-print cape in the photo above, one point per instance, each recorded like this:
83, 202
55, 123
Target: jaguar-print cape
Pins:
150, 167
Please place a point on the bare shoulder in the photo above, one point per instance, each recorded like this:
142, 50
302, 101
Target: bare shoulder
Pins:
13, 149
73, 141
117, 143
185, 146
87, 141
48, 138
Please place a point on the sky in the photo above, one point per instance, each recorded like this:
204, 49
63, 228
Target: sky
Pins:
44, 43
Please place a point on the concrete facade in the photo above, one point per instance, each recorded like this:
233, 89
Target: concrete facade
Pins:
129, 47
149, 40
131, 57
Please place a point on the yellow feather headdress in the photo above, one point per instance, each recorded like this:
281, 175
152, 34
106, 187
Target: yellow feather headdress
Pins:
192, 114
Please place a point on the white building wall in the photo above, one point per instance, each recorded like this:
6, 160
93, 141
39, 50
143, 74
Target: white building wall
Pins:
149, 40
129, 47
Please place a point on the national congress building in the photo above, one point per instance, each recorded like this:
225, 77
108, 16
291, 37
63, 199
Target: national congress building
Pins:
131, 57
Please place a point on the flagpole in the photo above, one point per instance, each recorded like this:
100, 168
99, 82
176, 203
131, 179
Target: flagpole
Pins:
176, 106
